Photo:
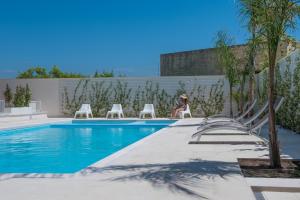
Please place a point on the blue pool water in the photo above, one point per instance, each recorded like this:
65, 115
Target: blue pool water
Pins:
69, 147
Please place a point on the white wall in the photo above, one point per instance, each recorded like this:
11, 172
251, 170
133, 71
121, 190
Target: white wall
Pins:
293, 57
283, 63
50, 91
45, 90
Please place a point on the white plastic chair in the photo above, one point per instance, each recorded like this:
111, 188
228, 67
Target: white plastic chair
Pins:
84, 110
148, 109
116, 109
187, 111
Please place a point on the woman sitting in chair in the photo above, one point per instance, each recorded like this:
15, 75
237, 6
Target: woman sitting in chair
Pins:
181, 105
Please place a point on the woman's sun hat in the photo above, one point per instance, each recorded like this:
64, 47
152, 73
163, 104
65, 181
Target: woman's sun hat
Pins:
183, 96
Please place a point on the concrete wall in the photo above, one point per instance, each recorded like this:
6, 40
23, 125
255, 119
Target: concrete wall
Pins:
50, 91
197, 62
204, 61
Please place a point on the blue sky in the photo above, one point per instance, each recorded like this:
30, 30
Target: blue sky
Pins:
125, 36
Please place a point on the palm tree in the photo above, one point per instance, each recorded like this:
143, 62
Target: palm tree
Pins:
247, 10
227, 60
273, 19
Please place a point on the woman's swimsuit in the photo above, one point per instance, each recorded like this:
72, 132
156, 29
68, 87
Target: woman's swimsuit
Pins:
181, 104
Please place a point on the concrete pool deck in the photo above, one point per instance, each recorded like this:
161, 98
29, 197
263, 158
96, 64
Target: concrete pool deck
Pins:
162, 166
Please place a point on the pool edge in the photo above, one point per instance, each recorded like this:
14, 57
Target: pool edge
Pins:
85, 171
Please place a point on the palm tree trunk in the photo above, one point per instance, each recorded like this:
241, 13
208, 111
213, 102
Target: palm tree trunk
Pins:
230, 93
251, 93
242, 85
274, 148
251, 85
252, 67
251, 89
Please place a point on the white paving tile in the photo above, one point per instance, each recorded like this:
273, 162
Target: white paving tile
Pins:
163, 166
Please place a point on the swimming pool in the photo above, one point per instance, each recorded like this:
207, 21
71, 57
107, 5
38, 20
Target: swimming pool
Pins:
69, 147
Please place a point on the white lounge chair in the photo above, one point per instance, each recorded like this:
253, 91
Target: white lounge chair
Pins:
84, 110
115, 110
241, 116
148, 109
246, 127
187, 111
244, 121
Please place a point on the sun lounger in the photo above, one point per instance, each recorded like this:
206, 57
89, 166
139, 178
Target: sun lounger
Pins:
224, 121
218, 118
239, 127
247, 109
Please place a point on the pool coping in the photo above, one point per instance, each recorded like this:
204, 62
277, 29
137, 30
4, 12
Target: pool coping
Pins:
87, 170
35, 125
105, 161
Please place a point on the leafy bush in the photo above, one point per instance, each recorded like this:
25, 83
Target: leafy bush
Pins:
56, 72
100, 95
104, 74
121, 94
8, 95
164, 103
99, 98
19, 98
137, 104
204, 102
71, 105
28, 95
288, 86
214, 103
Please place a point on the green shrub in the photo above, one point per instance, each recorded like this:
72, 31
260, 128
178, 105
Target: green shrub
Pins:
288, 86
100, 97
28, 95
164, 103
20, 97
71, 105
8, 95
214, 103
121, 95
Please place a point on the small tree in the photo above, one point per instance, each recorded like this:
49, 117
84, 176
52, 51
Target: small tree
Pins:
99, 97
227, 61
104, 74
214, 102
8, 95
243, 73
274, 18
55, 72
28, 95
248, 10
19, 98
41, 72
